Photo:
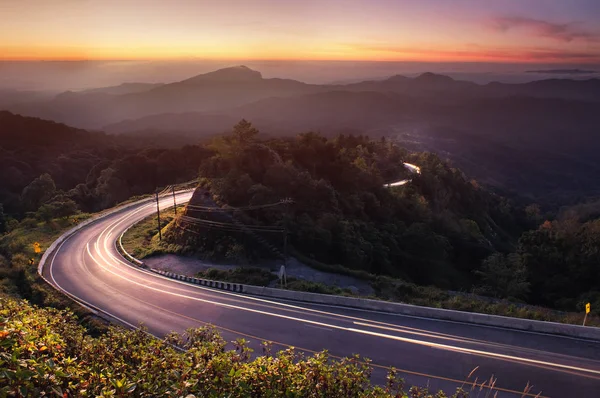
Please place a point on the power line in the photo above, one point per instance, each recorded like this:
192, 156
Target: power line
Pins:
169, 188
193, 220
231, 226
234, 230
185, 229
244, 208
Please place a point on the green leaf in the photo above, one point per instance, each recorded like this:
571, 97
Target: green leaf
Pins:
7, 343
25, 374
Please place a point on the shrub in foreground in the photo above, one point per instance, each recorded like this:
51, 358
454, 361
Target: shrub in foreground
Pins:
44, 352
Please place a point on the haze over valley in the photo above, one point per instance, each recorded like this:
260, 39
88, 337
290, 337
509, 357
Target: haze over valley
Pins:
554, 118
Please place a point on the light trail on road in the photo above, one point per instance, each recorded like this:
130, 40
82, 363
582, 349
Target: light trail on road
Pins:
425, 351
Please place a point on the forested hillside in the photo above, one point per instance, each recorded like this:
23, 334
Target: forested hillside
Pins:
561, 259
435, 230
49, 164
440, 229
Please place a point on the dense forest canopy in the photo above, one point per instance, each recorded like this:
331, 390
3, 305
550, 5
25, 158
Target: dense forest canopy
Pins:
435, 230
42, 163
442, 228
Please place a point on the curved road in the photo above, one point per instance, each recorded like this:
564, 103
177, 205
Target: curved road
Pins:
410, 167
426, 352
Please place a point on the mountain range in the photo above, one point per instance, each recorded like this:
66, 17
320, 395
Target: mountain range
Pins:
228, 90
467, 122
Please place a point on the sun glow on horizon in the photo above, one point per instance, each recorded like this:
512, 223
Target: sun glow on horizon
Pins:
350, 30
407, 55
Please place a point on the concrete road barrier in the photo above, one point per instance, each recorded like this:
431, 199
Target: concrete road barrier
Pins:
561, 329
233, 287
585, 332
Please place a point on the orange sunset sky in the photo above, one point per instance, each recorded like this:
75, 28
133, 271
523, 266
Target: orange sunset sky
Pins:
545, 31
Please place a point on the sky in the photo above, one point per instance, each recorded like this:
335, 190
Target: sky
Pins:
498, 31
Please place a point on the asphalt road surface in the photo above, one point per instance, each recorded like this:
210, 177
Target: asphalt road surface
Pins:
428, 352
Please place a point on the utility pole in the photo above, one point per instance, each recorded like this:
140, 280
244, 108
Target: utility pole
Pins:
286, 202
158, 217
174, 202
284, 246
282, 276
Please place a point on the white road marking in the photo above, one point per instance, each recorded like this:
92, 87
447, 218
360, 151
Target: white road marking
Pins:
553, 366
478, 352
318, 327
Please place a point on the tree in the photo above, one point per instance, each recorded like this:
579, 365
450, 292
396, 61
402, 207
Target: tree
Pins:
38, 192
83, 196
533, 212
244, 131
504, 276
63, 207
111, 189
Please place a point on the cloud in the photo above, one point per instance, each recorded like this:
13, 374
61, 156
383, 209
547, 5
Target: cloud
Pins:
566, 32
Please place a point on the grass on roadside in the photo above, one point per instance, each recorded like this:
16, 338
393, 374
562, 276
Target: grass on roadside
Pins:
332, 268
247, 275
315, 287
29, 231
391, 289
398, 290
141, 240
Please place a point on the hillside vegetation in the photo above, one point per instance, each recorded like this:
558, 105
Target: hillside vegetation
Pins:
44, 352
441, 229
435, 230
63, 168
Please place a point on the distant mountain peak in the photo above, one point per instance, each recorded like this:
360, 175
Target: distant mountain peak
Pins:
66, 94
233, 73
397, 78
433, 77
